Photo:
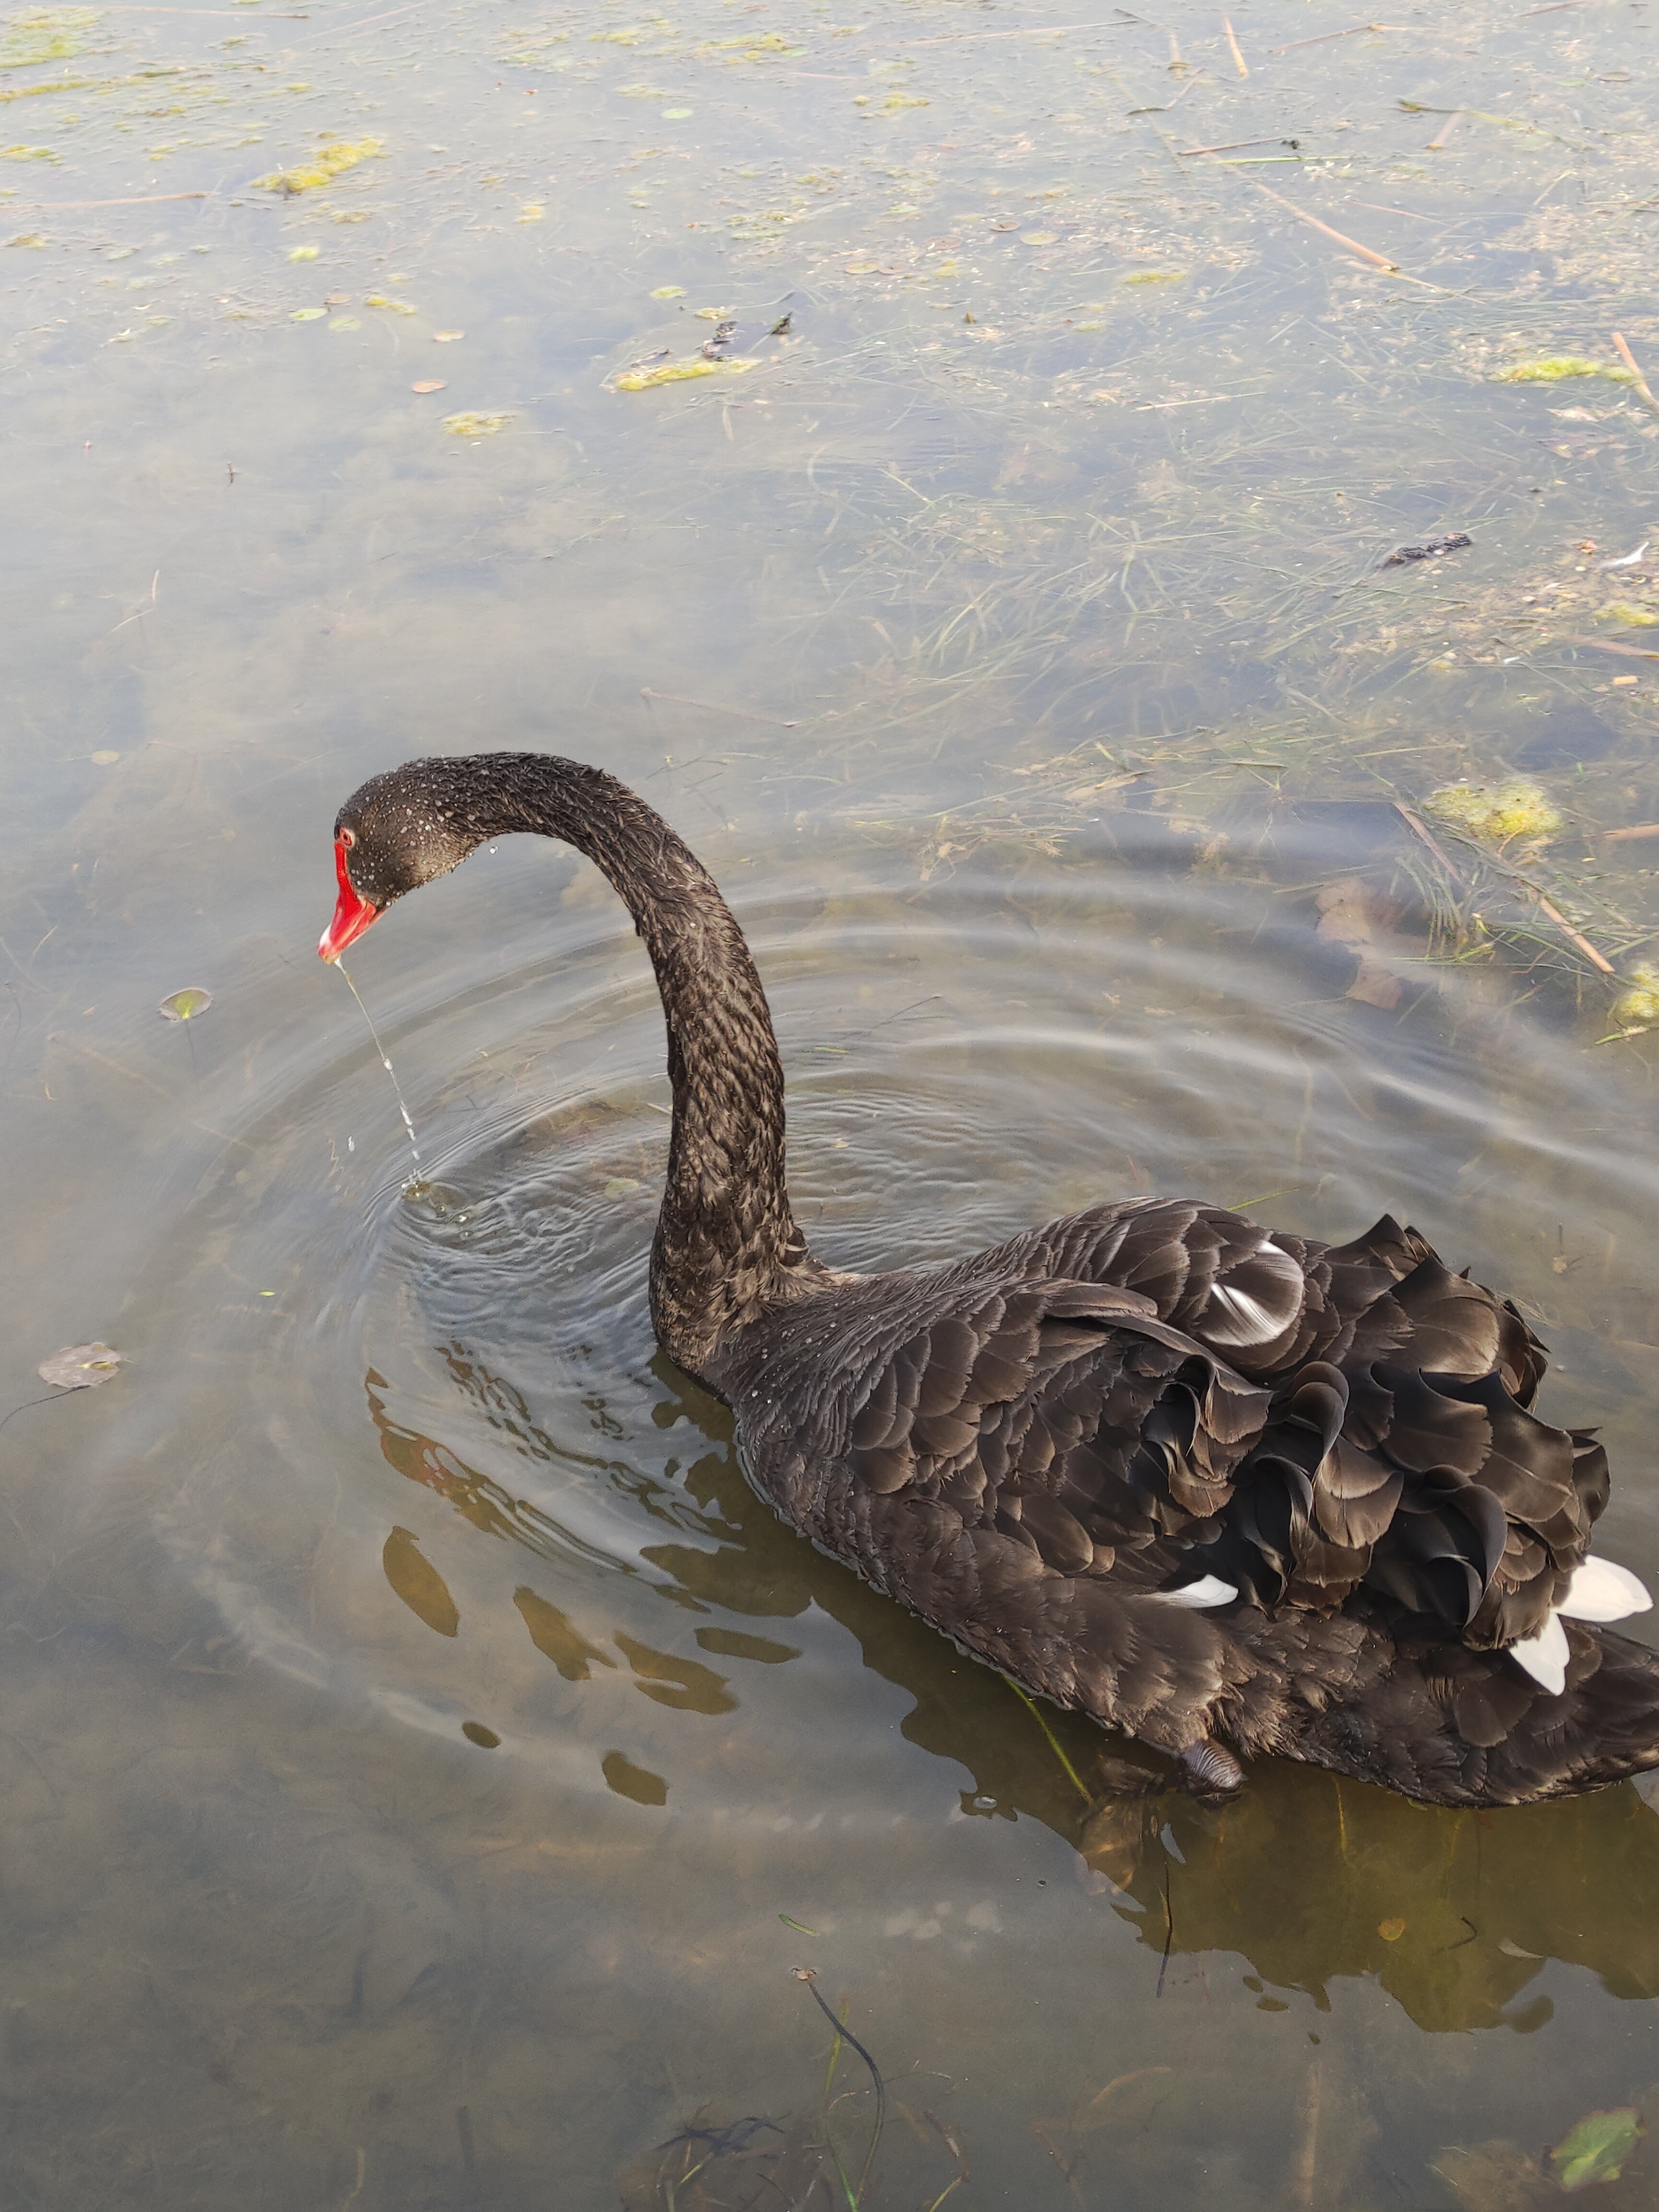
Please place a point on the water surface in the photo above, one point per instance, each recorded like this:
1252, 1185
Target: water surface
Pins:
425, 1762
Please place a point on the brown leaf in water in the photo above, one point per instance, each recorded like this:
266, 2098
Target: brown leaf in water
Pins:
630, 1781
418, 1582
1495, 2177
685, 1685
556, 1638
80, 1366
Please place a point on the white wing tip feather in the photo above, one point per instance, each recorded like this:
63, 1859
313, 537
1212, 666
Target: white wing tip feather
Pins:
1207, 1590
1599, 1590
1544, 1656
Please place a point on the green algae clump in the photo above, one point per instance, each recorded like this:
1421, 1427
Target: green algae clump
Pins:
332, 158
678, 372
45, 34
1624, 610
1637, 1008
1555, 368
1496, 813
470, 425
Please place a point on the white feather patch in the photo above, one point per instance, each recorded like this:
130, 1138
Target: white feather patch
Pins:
1252, 1322
1544, 1656
1207, 1590
1599, 1590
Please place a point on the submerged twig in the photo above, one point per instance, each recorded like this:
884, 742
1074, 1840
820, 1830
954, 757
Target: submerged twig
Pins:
709, 706
1573, 936
1377, 260
1629, 360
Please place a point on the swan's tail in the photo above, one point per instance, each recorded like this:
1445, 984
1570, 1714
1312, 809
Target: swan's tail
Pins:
1446, 1724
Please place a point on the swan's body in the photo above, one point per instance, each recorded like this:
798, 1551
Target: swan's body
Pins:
1214, 1487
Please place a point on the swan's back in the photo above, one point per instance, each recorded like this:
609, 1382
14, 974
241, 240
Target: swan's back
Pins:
1212, 1484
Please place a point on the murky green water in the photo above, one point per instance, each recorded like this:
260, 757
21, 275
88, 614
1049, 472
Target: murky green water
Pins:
424, 1762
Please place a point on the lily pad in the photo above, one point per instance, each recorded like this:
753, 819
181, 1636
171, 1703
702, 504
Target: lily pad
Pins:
309, 314
429, 384
184, 1004
80, 1366
1596, 2149
392, 307
669, 292
304, 253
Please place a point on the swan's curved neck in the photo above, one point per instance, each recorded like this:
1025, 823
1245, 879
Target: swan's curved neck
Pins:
726, 1239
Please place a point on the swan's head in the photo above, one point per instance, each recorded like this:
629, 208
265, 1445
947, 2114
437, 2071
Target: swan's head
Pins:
396, 832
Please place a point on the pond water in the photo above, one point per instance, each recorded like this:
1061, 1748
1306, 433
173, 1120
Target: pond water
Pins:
426, 1764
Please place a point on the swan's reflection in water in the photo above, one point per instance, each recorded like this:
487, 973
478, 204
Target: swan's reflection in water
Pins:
1310, 1878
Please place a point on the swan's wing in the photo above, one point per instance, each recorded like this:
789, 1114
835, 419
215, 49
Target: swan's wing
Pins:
1045, 1470
1266, 1301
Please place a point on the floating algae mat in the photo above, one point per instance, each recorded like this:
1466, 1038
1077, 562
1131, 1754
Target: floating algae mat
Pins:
45, 34
467, 424
332, 158
1637, 1008
1496, 813
678, 372
1558, 368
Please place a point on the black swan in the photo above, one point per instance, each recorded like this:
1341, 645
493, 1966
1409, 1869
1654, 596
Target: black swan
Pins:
1225, 1490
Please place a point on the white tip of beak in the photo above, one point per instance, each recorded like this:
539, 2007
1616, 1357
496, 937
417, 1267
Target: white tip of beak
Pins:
1544, 1656
1601, 1591
1207, 1590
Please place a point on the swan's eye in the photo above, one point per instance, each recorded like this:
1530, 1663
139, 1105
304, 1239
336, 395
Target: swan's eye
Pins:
348, 838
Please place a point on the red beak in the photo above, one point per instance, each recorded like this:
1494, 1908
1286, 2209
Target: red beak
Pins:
352, 914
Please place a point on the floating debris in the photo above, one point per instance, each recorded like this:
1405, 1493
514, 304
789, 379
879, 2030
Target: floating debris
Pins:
669, 292
1555, 368
680, 372
1637, 1008
1596, 2149
468, 424
184, 1006
418, 1582
333, 157
1496, 813
1430, 550
1149, 275
1625, 610
392, 307
80, 1366
45, 34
